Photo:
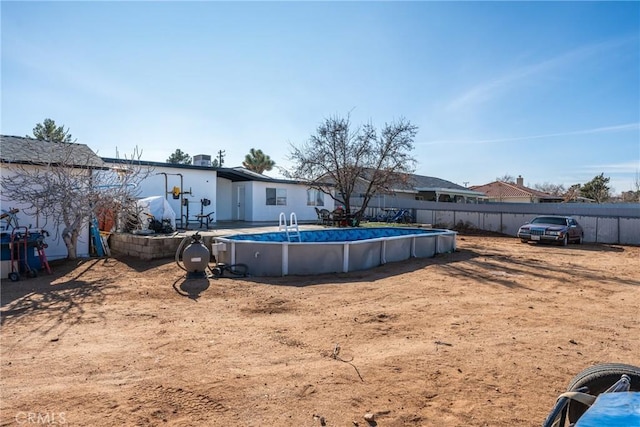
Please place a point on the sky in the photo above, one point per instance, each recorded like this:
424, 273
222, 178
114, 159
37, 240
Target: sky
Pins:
546, 90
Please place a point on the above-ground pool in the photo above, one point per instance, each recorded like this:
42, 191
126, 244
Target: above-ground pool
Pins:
331, 250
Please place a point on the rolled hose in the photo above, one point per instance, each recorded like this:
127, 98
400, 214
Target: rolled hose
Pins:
179, 252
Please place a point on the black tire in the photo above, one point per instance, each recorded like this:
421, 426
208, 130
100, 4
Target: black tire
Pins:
524, 240
565, 240
14, 277
597, 379
579, 240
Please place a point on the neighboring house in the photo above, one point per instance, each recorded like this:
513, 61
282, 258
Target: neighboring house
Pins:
499, 191
33, 153
424, 188
233, 194
432, 189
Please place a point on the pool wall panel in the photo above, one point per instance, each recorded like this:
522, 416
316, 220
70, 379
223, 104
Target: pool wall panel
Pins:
308, 259
446, 243
398, 249
363, 256
425, 247
267, 262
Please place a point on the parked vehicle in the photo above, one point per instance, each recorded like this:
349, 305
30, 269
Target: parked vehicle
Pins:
552, 228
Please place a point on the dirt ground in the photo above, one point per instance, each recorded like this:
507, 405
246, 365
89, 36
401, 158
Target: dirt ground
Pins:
486, 336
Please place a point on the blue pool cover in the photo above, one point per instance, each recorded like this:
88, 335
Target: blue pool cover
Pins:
335, 235
613, 410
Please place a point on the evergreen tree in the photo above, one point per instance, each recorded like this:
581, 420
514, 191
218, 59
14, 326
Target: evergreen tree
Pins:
48, 131
257, 161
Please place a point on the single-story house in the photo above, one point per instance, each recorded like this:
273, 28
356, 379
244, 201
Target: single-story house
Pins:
227, 194
223, 194
500, 191
30, 153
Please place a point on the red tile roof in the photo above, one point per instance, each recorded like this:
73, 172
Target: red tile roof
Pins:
505, 190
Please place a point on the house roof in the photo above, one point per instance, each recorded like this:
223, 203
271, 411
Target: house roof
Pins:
422, 183
25, 150
506, 190
236, 174
417, 183
243, 174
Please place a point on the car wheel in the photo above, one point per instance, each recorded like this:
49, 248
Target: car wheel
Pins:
524, 240
579, 240
565, 240
597, 379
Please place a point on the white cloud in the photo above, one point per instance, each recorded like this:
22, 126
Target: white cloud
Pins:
591, 131
487, 90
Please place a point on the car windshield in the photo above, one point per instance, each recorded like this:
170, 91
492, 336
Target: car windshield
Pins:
549, 220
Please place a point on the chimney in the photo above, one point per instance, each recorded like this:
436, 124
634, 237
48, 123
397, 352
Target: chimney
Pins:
520, 181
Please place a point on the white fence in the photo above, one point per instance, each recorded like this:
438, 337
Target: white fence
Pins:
602, 223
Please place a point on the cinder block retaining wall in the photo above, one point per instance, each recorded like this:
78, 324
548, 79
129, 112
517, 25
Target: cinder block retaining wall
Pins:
148, 247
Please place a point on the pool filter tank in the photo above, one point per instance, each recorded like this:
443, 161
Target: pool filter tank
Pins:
195, 257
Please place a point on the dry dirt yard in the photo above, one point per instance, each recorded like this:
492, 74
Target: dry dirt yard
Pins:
486, 336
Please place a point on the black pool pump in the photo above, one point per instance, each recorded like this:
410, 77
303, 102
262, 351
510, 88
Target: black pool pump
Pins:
195, 257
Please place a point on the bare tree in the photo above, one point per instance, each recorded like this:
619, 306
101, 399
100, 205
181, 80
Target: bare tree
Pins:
634, 195
354, 161
553, 189
66, 184
572, 193
506, 178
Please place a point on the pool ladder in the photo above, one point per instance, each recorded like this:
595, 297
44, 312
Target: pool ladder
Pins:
292, 229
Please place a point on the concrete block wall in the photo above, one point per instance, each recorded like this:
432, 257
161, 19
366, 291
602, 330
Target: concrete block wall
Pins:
144, 247
149, 247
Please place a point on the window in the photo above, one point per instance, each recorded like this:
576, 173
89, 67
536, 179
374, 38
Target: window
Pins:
315, 197
276, 196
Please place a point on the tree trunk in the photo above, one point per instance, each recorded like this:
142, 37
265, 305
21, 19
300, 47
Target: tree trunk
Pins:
70, 237
71, 242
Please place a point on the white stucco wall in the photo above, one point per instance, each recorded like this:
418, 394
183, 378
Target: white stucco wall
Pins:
56, 248
296, 202
224, 200
197, 184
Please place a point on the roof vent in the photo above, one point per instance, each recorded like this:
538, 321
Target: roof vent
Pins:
202, 160
520, 181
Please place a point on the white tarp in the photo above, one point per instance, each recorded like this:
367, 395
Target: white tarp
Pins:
157, 206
